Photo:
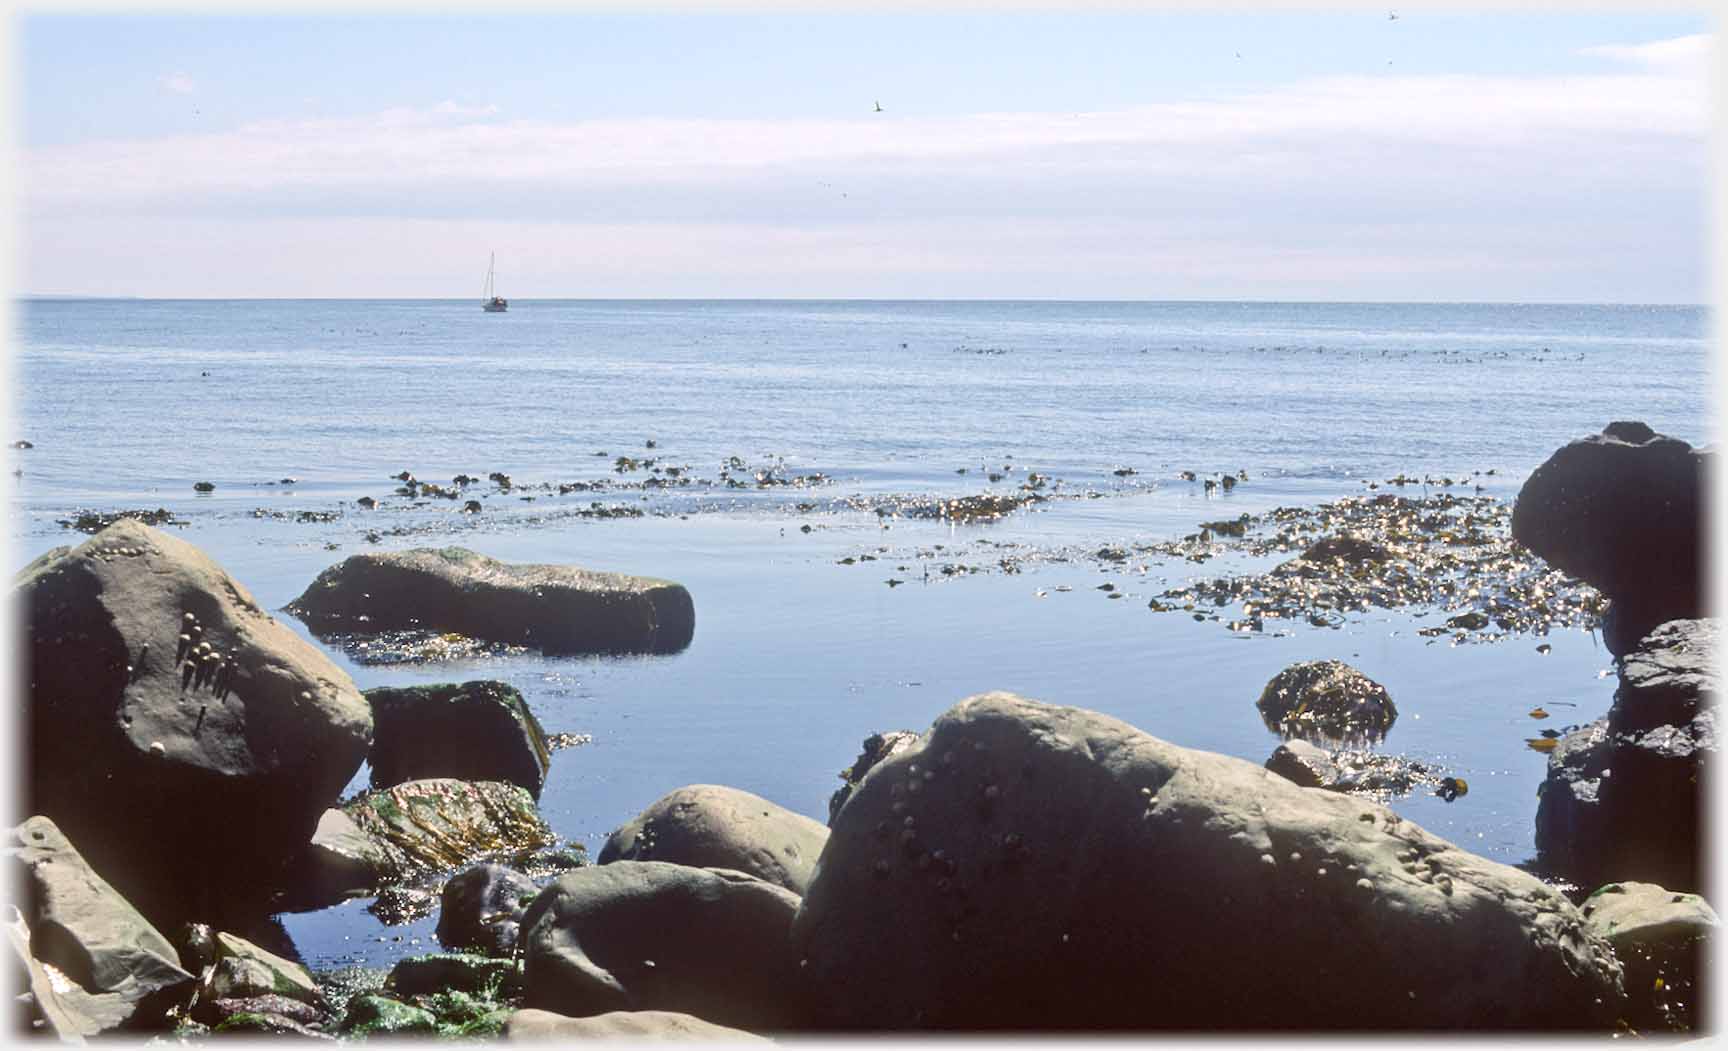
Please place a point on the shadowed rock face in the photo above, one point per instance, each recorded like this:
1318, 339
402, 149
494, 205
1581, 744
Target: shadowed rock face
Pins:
478, 731
713, 826
1030, 866
1625, 797
557, 609
531, 1024
1623, 510
182, 737
1327, 702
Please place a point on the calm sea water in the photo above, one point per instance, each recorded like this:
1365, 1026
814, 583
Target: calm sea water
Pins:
796, 657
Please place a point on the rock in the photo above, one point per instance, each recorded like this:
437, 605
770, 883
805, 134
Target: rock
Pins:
1307, 765
478, 731
454, 971
481, 909
1623, 510
647, 935
1029, 866
1327, 702
46, 1014
877, 747
230, 753
219, 1011
204, 487
423, 826
341, 861
1347, 547
244, 970
712, 826
537, 1026
1662, 938
370, 1014
274, 1025
116, 970
1625, 795
1353, 770
559, 609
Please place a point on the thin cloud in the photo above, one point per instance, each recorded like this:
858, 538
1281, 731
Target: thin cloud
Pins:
179, 83
1685, 55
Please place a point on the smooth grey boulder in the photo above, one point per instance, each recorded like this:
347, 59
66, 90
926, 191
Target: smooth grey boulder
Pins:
1663, 939
481, 909
476, 731
1326, 702
876, 748
556, 609
1029, 866
648, 935
535, 1026
166, 707
713, 826
1625, 798
244, 970
118, 971
1624, 511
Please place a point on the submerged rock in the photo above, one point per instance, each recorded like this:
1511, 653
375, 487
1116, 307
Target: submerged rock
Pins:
481, 909
713, 826
478, 731
1624, 511
647, 935
1028, 866
1353, 770
558, 609
1625, 796
111, 969
215, 728
1326, 701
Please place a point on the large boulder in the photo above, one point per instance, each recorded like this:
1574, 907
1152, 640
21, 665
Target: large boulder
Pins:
1623, 510
481, 909
166, 707
1663, 940
478, 731
557, 609
1625, 797
1029, 866
647, 935
111, 968
1326, 702
712, 826
537, 1026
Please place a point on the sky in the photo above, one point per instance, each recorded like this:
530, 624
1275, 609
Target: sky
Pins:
1498, 156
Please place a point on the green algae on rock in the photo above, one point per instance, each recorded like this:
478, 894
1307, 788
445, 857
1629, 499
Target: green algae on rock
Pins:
425, 826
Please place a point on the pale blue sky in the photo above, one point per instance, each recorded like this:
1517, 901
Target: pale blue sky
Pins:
1511, 155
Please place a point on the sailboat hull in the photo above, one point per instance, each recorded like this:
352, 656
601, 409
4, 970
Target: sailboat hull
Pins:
493, 308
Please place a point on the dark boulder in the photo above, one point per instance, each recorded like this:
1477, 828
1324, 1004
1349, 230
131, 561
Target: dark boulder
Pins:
1326, 702
478, 731
1029, 866
1663, 939
1347, 547
1625, 797
481, 909
713, 826
647, 935
1623, 510
877, 747
114, 970
557, 609
445, 972
166, 707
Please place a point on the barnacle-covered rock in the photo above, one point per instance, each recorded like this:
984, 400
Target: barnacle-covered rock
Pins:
714, 826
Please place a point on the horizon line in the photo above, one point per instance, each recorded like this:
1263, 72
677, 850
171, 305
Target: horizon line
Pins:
63, 296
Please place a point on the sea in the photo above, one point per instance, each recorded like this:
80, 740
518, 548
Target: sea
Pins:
758, 451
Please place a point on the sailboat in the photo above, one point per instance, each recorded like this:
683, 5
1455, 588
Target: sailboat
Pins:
493, 303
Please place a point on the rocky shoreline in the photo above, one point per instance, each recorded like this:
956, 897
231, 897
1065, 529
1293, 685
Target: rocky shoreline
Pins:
1017, 866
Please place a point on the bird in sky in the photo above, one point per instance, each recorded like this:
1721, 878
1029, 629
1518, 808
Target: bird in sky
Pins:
878, 107
1391, 16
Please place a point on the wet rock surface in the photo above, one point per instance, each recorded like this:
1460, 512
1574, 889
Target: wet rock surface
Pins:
110, 968
713, 826
647, 935
1037, 867
1663, 940
425, 826
876, 748
1625, 797
476, 731
481, 909
557, 609
1326, 702
216, 728
1623, 510
1354, 770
